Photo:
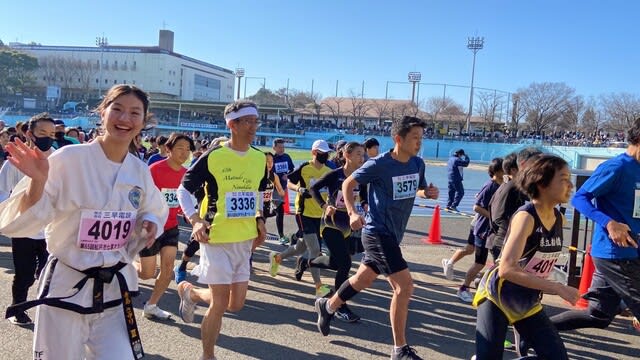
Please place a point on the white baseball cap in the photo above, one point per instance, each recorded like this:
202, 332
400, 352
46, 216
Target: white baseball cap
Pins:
321, 146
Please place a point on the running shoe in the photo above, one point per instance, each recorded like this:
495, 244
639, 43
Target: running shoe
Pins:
345, 314
21, 319
187, 306
284, 240
447, 269
180, 275
323, 291
324, 318
274, 265
508, 345
465, 295
406, 353
154, 312
636, 324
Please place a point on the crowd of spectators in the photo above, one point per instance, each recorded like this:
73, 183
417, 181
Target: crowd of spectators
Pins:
299, 126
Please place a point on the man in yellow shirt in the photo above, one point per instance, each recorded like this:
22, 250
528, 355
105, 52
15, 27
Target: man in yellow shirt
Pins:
232, 175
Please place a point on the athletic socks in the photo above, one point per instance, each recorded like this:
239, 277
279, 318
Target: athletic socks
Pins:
183, 265
328, 307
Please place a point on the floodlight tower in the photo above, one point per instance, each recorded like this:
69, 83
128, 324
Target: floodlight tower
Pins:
474, 44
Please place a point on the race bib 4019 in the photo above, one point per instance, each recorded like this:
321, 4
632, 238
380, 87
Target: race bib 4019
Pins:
104, 230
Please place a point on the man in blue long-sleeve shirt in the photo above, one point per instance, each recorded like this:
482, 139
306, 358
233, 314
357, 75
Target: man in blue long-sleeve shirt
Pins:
456, 162
615, 188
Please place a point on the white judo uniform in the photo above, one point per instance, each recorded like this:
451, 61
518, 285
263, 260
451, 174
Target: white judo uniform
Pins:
85, 188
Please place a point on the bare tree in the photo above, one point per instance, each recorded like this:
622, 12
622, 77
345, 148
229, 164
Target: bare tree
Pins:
570, 119
67, 73
621, 110
333, 105
85, 73
489, 102
518, 112
381, 108
359, 107
545, 103
592, 120
49, 69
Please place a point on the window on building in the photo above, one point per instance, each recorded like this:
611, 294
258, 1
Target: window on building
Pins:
106, 81
97, 81
115, 82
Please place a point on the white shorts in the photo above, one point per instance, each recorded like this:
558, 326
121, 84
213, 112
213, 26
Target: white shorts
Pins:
224, 264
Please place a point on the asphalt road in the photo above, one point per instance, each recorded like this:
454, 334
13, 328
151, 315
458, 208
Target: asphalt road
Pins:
278, 321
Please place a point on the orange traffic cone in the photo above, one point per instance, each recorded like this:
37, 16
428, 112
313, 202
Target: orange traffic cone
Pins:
287, 209
434, 237
585, 280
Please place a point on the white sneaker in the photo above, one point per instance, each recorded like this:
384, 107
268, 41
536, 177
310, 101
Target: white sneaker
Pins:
447, 269
465, 296
154, 312
187, 306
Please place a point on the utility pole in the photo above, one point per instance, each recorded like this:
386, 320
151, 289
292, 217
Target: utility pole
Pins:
474, 44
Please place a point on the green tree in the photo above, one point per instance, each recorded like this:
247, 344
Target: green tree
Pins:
267, 97
16, 71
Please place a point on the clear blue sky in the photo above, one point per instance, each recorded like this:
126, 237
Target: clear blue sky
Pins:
590, 45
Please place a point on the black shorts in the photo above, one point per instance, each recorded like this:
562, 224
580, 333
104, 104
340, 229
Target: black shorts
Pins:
471, 239
615, 280
309, 225
481, 255
382, 254
355, 243
168, 238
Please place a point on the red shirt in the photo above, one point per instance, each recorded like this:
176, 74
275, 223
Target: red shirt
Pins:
168, 180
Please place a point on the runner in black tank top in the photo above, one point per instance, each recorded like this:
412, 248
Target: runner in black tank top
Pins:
511, 292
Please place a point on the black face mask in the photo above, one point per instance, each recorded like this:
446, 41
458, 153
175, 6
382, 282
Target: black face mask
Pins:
43, 143
59, 134
322, 157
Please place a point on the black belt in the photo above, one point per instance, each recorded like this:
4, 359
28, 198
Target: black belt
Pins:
101, 276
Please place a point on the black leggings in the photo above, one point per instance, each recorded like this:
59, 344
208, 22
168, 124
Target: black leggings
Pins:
280, 219
339, 260
537, 330
580, 319
29, 258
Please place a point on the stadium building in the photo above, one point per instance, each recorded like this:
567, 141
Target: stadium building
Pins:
78, 72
